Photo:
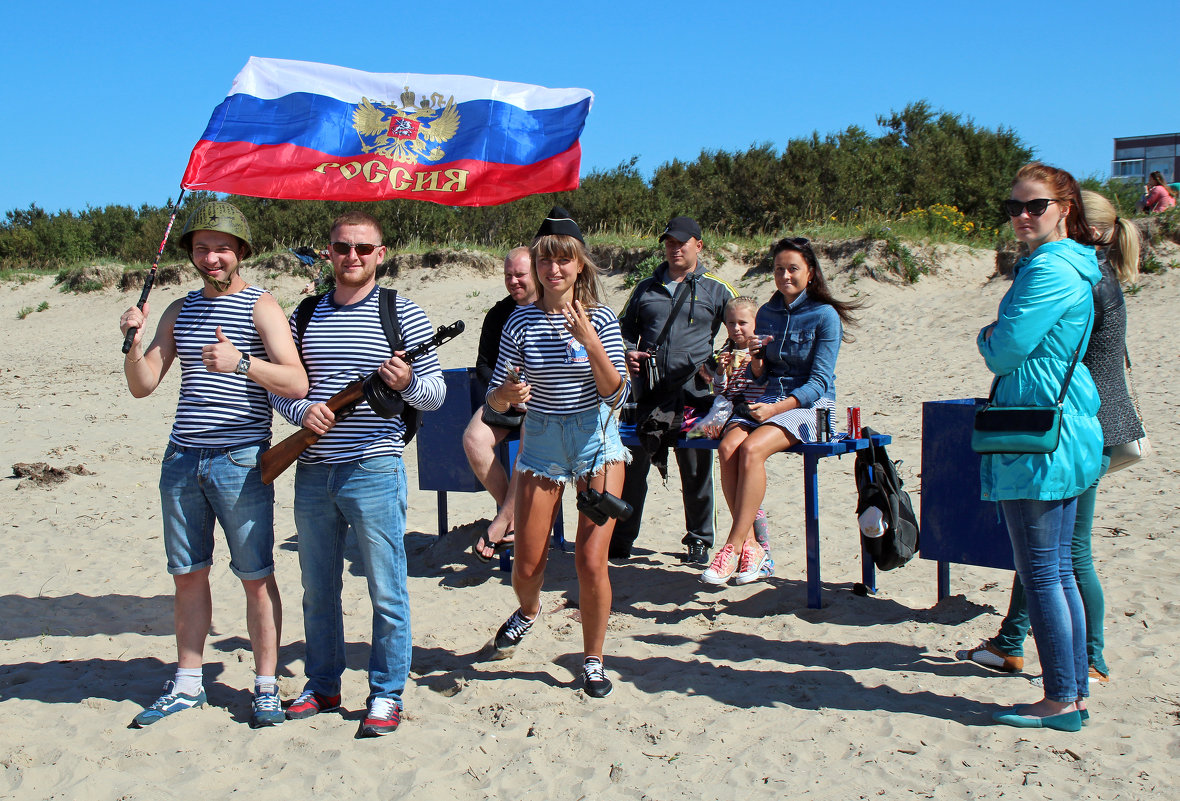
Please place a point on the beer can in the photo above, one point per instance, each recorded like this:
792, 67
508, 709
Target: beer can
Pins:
854, 422
823, 425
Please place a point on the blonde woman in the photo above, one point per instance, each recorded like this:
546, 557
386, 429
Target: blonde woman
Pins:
569, 353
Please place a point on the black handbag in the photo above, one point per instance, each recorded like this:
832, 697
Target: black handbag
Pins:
509, 419
1021, 429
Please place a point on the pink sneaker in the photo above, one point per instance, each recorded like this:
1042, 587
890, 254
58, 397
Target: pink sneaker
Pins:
724, 565
750, 565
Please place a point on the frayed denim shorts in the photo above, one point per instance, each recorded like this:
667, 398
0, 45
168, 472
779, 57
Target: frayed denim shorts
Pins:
567, 447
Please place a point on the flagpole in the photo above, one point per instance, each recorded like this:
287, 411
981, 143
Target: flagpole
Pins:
151, 277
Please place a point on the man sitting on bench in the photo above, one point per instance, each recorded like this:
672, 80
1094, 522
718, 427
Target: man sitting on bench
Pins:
486, 431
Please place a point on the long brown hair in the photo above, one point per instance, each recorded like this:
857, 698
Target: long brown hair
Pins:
1157, 179
1065, 187
817, 288
588, 287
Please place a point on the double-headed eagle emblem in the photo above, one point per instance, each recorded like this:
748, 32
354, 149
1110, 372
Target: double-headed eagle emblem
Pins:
406, 134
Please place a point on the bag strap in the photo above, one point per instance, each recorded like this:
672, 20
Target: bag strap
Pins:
677, 301
1068, 373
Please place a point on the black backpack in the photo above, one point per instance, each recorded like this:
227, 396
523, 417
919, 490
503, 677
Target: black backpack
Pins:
411, 417
879, 485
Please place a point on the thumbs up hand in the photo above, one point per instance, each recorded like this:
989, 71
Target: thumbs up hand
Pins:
221, 356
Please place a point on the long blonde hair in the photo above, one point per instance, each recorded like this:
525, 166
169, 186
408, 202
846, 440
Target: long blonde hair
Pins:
1115, 233
588, 287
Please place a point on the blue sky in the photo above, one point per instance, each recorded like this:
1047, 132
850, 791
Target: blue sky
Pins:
106, 100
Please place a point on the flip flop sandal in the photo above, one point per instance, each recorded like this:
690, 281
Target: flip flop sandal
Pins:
481, 542
506, 542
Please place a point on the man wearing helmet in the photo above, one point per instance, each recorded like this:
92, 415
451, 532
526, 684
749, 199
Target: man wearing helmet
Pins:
234, 345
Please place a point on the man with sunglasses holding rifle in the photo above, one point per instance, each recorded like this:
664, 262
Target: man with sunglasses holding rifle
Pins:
234, 346
354, 475
669, 324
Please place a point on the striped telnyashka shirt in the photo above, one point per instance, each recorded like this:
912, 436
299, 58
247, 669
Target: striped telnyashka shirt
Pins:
344, 343
555, 364
218, 410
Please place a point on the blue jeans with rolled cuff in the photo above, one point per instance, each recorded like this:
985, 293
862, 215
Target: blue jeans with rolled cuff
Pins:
201, 486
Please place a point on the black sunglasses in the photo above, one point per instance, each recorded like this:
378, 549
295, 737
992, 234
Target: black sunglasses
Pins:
1036, 207
361, 248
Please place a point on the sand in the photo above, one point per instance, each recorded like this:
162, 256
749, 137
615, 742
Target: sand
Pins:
741, 692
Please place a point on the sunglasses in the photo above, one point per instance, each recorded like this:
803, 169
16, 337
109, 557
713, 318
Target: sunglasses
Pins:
361, 248
1036, 207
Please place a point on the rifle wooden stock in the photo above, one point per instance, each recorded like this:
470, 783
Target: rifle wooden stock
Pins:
283, 455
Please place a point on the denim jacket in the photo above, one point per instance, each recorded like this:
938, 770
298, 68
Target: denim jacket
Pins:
801, 359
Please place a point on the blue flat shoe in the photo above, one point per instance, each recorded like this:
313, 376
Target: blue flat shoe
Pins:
1066, 721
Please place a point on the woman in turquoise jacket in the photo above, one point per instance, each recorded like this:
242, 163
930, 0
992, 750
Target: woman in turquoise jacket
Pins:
1045, 318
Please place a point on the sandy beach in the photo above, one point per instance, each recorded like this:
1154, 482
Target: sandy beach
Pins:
741, 692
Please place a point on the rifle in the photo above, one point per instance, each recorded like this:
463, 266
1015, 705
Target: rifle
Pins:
380, 396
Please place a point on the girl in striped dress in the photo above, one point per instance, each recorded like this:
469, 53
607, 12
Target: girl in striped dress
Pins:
800, 329
564, 357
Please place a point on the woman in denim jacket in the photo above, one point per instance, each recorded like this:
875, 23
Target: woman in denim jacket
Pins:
1043, 320
801, 329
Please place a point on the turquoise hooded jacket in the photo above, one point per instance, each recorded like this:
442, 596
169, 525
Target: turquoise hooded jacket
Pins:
1047, 311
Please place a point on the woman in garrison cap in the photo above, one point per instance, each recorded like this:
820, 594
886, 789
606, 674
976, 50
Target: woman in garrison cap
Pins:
564, 357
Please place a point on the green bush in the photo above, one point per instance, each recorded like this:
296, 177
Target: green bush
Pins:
921, 159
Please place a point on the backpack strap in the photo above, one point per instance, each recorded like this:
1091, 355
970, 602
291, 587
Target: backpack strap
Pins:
387, 301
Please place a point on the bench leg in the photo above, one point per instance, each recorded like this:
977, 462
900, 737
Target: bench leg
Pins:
868, 572
944, 580
442, 513
811, 508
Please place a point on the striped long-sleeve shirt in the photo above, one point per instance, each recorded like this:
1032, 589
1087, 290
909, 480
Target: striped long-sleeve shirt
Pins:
556, 365
218, 410
344, 343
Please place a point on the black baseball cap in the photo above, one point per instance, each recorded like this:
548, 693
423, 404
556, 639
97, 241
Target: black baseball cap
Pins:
682, 229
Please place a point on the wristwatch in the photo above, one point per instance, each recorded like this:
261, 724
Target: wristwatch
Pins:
243, 365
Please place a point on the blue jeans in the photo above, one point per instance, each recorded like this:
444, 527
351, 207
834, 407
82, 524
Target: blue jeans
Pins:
199, 486
1042, 537
370, 496
1014, 629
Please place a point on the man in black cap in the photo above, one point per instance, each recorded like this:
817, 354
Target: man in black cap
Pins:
669, 324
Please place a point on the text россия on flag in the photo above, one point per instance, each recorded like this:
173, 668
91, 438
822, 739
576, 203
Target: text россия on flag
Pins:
295, 129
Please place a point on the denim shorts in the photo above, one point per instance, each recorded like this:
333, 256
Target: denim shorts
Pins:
568, 447
199, 486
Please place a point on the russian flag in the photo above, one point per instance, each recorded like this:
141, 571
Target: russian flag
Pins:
295, 129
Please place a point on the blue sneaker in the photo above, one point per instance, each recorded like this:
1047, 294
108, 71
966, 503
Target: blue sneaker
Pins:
167, 704
267, 709
767, 568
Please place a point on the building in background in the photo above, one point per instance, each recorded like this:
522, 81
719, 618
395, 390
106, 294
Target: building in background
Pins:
1136, 157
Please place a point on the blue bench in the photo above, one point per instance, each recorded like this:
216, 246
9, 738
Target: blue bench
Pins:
812, 453
443, 468
442, 464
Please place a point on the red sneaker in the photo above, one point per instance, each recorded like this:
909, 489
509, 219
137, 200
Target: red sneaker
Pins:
384, 715
312, 703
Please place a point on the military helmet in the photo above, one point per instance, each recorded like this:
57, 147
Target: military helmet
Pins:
218, 215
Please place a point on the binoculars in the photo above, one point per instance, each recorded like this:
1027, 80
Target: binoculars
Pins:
599, 506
